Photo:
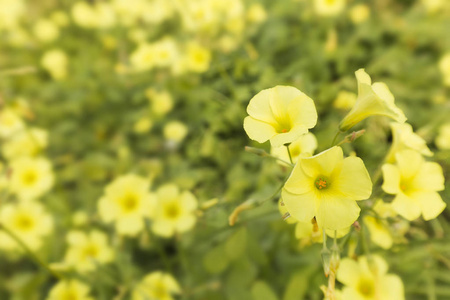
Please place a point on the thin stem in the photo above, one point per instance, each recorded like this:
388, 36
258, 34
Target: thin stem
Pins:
335, 138
289, 153
30, 253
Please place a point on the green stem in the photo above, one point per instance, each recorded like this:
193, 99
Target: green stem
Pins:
30, 253
289, 153
335, 138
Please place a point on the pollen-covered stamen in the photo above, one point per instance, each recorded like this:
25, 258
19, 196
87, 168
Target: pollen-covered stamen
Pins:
321, 183
283, 130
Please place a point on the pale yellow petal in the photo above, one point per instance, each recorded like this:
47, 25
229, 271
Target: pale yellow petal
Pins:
129, 225
258, 130
76, 237
188, 201
323, 163
259, 107
302, 111
429, 178
335, 213
349, 293
348, 272
391, 179
391, 288
301, 207
303, 230
407, 207
409, 163
185, 223
431, 204
379, 232
280, 99
281, 139
298, 182
373, 265
162, 228
168, 191
353, 182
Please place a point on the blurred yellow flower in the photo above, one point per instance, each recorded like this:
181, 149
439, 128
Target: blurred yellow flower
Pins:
60, 18
31, 177
444, 67
55, 61
403, 138
11, 12
87, 251
359, 13
281, 114
161, 102
380, 233
144, 57
70, 290
310, 233
165, 52
304, 146
10, 122
46, 30
415, 183
327, 186
443, 139
28, 220
127, 201
198, 58
256, 13
329, 7
373, 99
97, 15
143, 125
367, 279
175, 131
433, 6
28, 142
156, 286
175, 211
345, 100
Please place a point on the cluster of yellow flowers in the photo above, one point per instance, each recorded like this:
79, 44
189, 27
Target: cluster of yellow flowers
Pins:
322, 191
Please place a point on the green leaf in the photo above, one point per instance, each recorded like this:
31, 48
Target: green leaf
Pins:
262, 291
215, 261
236, 244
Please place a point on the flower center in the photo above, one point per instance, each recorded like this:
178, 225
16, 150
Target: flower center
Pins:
70, 295
24, 223
330, 2
90, 251
321, 183
129, 203
172, 211
29, 178
366, 287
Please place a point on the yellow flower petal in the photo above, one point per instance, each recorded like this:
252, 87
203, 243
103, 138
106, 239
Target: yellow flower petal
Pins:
298, 182
430, 177
300, 207
258, 130
335, 213
163, 228
323, 163
409, 163
303, 230
379, 232
391, 288
129, 225
431, 204
353, 181
348, 272
407, 207
259, 107
391, 179
281, 139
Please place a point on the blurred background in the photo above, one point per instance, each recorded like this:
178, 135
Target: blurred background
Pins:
94, 90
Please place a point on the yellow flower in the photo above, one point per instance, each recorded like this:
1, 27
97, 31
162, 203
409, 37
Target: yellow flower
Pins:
329, 7
415, 184
87, 251
161, 102
28, 220
403, 138
175, 211
10, 123
165, 51
70, 290
433, 6
443, 139
144, 57
143, 125
156, 286
281, 114
359, 13
373, 99
45, 30
256, 13
304, 146
379, 231
345, 100
198, 58
367, 279
326, 186
55, 62
25, 143
127, 201
309, 233
175, 131
31, 177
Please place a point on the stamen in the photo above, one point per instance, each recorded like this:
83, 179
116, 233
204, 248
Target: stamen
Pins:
321, 183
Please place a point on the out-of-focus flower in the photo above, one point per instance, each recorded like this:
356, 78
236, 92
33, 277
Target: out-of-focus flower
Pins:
46, 30
359, 13
256, 13
174, 212
28, 220
309, 232
433, 6
281, 114
10, 123
175, 131
161, 101
31, 177
444, 67
156, 285
143, 125
127, 202
331, 43
304, 146
403, 137
165, 52
60, 18
367, 279
329, 7
144, 57
326, 186
98, 15
443, 139
415, 184
28, 142
378, 227
373, 99
11, 12
70, 290
198, 58
345, 100
80, 218
55, 61
86, 251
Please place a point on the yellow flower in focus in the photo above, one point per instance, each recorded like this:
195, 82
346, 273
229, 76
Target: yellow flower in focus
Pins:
70, 290
373, 99
281, 114
161, 101
31, 177
144, 57
367, 279
28, 220
329, 7
127, 202
443, 139
304, 146
256, 13
175, 211
175, 131
327, 186
345, 100
55, 61
87, 251
198, 58
415, 183
143, 125
403, 137
444, 67
27, 142
10, 123
156, 286
359, 13
45, 30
